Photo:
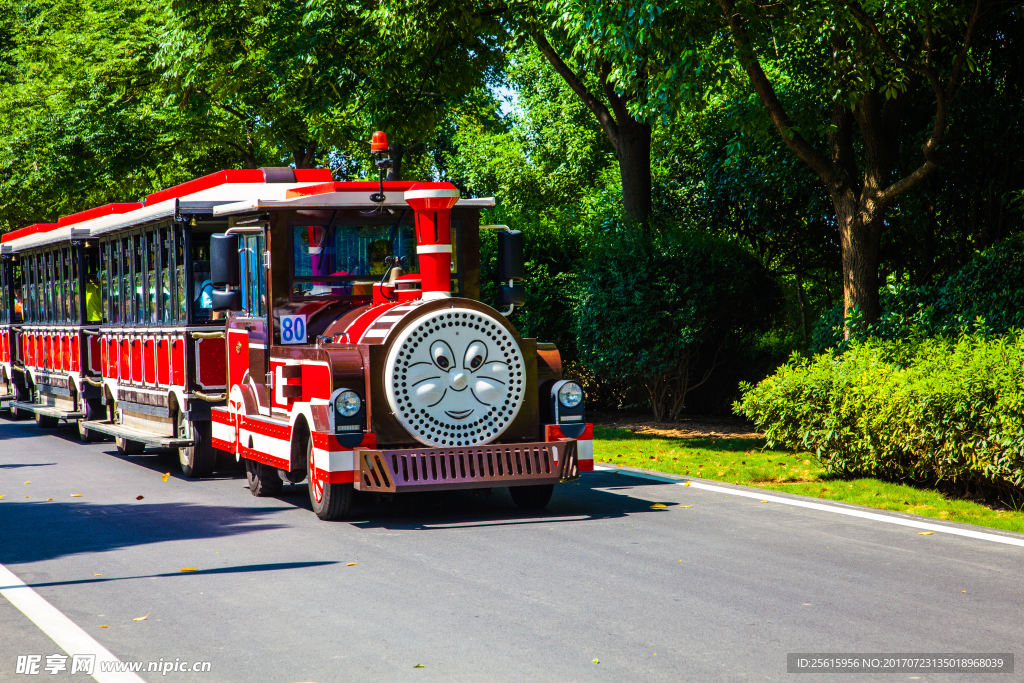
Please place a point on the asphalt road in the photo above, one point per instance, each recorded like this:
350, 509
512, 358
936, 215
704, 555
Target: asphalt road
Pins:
471, 587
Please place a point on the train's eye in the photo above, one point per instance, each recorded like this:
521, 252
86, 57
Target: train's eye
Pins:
442, 355
476, 356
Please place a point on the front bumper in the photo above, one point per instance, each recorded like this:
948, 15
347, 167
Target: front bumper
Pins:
438, 469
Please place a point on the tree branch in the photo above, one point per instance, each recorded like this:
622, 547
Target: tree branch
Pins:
604, 117
804, 151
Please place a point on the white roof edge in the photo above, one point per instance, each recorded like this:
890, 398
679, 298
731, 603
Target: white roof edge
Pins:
329, 200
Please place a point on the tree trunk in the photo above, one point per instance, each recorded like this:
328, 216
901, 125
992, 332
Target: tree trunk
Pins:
633, 148
859, 235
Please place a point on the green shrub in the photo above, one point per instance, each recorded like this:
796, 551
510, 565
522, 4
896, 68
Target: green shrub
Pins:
656, 309
928, 411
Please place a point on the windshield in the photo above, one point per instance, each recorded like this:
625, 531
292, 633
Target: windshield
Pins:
345, 260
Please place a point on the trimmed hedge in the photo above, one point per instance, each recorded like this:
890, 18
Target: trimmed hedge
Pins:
928, 411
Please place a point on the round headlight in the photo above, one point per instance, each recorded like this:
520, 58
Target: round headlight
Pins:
348, 403
570, 394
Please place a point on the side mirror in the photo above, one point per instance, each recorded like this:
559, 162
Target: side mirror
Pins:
226, 300
511, 295
224, 261
510, 255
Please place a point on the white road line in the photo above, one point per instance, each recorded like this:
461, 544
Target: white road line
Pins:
851, 512
66, 633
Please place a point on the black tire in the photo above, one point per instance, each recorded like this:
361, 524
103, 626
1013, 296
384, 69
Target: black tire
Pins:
263, 479
532, 497
197, 460
129, 446
46, 421
330, 501
17, 414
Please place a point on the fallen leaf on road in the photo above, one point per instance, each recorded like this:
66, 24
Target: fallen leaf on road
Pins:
596, 661
139, 497
351, 564
419, 666
142, 618
764, 501
686, 506
28, 482
166, 476
963, 591
686, 484
97, 574
925, 533
659, 505
104, 627
188, 569
3, 495
76, 495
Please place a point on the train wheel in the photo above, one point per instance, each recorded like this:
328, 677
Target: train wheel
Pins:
198, 459
129, 446
330, 501
532, 497
263, 479
46, 421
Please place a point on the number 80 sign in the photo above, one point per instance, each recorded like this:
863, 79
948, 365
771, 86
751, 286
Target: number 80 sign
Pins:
293, 329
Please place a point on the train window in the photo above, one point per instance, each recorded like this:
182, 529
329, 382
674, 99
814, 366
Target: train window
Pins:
254, 291
48, 285
139, 293
202, 286
114, 254
166, 268
93, 298
5, 302
104, 273
345, 260
30, 293
179, 272
75, 255
152, 244
17, 281
127, 310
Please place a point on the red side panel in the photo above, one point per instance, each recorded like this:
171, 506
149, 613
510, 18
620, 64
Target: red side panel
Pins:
149, 362
210, 372
178, 362
126, 361
65, 352
316, 382
137, 360
238, 356
76, 364
95, 354
163, 362
313, 175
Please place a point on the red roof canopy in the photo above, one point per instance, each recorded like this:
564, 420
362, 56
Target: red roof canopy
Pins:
247, 175
30, 230
105, 210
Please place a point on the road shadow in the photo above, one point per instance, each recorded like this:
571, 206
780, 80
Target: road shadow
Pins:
17, 465
240, 569
33, 531
591, 498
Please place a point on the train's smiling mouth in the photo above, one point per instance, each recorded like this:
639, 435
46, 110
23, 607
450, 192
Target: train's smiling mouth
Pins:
458, 414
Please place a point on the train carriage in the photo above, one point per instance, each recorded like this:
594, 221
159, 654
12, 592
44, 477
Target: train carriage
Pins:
323, 331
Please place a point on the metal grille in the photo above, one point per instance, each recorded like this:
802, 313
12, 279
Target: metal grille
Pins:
432, 469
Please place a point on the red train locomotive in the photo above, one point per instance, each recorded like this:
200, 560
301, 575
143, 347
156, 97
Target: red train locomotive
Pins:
313, 330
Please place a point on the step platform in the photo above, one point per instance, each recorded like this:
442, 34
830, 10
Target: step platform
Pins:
46, 411
148, 438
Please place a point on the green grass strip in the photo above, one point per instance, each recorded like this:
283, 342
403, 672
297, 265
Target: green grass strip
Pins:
744, 461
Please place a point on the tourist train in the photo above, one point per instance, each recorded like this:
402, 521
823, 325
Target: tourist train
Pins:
310, 330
